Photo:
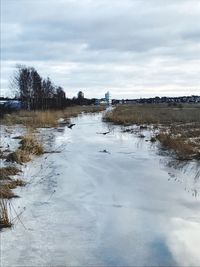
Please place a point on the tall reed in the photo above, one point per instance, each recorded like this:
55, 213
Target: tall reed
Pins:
5, 220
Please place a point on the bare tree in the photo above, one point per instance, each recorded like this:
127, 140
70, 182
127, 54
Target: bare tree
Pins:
34, 91
21, 83
48, 88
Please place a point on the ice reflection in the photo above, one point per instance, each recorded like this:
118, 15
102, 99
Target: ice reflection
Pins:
187, 173
183, 240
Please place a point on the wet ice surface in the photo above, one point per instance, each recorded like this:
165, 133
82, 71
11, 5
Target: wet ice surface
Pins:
84, 207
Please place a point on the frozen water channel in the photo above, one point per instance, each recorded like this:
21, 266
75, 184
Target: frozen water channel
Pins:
84, 207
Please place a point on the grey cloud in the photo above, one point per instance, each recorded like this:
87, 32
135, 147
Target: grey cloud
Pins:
98, 36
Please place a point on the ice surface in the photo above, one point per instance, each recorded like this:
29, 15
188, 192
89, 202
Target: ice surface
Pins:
127, 207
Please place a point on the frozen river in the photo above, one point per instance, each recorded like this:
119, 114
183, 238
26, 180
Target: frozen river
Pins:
85, 207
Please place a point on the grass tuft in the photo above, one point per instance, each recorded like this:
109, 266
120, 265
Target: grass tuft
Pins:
30, 144
6, 192
4, 217
15, 183
6, 172
19, 156
185, 151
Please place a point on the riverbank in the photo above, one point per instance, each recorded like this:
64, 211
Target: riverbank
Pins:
21, 142
177, 128
47, 118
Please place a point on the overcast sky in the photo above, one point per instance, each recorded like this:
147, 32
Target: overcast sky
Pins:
133, 48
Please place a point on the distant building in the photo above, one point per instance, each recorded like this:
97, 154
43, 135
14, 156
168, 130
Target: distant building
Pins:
107, 98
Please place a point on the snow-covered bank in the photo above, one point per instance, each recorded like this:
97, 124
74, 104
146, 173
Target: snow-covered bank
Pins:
82, 207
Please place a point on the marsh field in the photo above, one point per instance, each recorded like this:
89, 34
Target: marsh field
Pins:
87, 186
176, 127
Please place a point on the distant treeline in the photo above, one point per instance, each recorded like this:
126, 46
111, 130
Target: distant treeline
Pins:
159, 100
35, 92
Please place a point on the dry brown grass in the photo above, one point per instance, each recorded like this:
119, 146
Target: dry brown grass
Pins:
6, 192
179, 145
49, 118
19, 156
1, 154
7, 183
15, 183
31, 145
6, 172
31, 119
4, 217
153, 114
179, 127
6, 188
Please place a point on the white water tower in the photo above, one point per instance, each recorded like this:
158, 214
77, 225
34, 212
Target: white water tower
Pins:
107, 98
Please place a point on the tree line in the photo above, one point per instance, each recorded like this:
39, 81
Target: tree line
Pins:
36, 92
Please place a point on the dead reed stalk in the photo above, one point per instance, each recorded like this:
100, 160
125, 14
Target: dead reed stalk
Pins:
4, 215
